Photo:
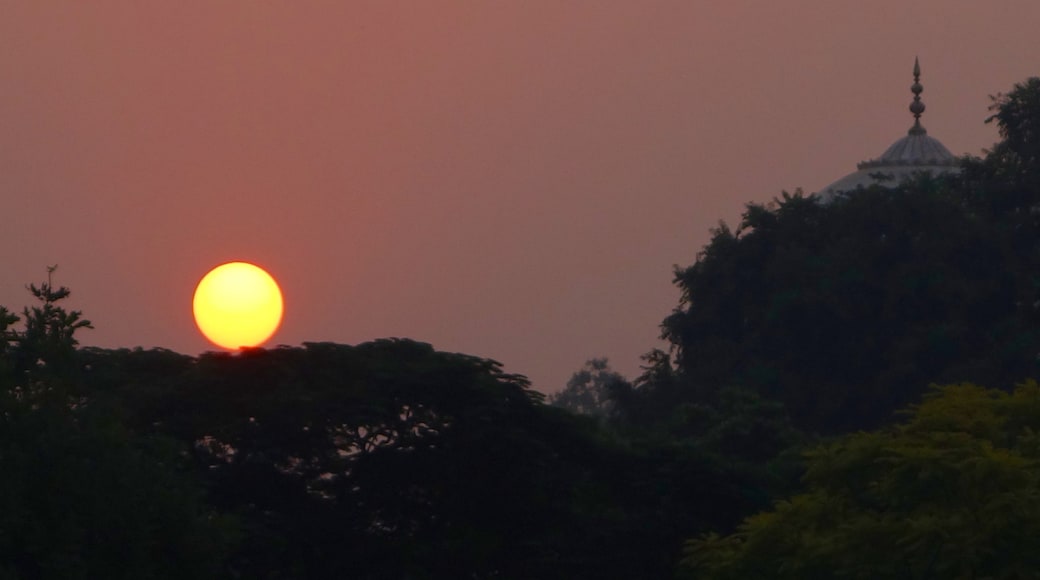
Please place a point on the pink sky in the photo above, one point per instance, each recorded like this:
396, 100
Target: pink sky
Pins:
513, 180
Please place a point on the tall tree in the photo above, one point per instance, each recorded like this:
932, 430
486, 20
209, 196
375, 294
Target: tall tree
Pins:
844, 311
1016, 157
80, 495
48, 338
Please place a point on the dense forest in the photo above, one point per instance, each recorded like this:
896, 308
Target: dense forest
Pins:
849, 393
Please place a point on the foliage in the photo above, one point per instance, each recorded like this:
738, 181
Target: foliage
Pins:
382, 460
390, 459
592, 390
1016, 157
49, 335
741, 446
952, 493
81, 496
841, 311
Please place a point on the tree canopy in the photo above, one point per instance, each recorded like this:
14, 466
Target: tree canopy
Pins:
80, 495
954, 492
844, 311
382, 460
389, 460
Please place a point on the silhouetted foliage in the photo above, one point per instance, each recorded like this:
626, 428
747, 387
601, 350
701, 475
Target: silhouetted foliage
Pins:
48, 339
592, 390
814, 318
845, 311
1016, 158
392, 460
81, 496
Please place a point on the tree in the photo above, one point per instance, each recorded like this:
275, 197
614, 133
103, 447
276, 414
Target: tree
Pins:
1017, 115
841, 311
390, 459
81, 496
48, 338
592, 391
954, 492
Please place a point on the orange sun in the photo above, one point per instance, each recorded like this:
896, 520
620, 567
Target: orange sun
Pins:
237, 305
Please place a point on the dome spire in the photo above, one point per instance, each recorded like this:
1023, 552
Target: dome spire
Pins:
917, 107
911, 155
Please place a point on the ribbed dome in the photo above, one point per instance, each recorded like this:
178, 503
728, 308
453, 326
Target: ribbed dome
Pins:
913, 154
914, 149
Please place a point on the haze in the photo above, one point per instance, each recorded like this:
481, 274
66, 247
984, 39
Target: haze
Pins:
513, 180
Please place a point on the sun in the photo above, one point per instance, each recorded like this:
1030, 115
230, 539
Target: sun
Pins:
237, 305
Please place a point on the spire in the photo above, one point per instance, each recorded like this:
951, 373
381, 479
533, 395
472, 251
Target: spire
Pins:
917, 107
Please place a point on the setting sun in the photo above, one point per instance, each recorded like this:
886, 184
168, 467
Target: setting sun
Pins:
237, 305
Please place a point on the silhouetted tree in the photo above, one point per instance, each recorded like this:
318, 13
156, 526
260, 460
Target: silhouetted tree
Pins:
843, 312
390, 459
80, 495
48, 338
1016, 157
591, 391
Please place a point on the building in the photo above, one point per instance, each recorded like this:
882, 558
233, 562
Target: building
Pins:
915, 153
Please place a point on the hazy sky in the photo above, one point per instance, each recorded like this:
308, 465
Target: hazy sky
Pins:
513, 180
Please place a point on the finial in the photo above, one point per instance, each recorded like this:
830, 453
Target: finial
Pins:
917, 107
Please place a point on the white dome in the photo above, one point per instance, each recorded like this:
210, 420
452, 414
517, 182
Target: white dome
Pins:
915, 149
913, 154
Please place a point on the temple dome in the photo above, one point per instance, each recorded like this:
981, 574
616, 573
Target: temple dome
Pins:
915, 153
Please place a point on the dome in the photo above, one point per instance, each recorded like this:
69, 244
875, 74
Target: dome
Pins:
915, 153
914, 149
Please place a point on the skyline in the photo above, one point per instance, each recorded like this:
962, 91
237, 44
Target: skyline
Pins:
510, 181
